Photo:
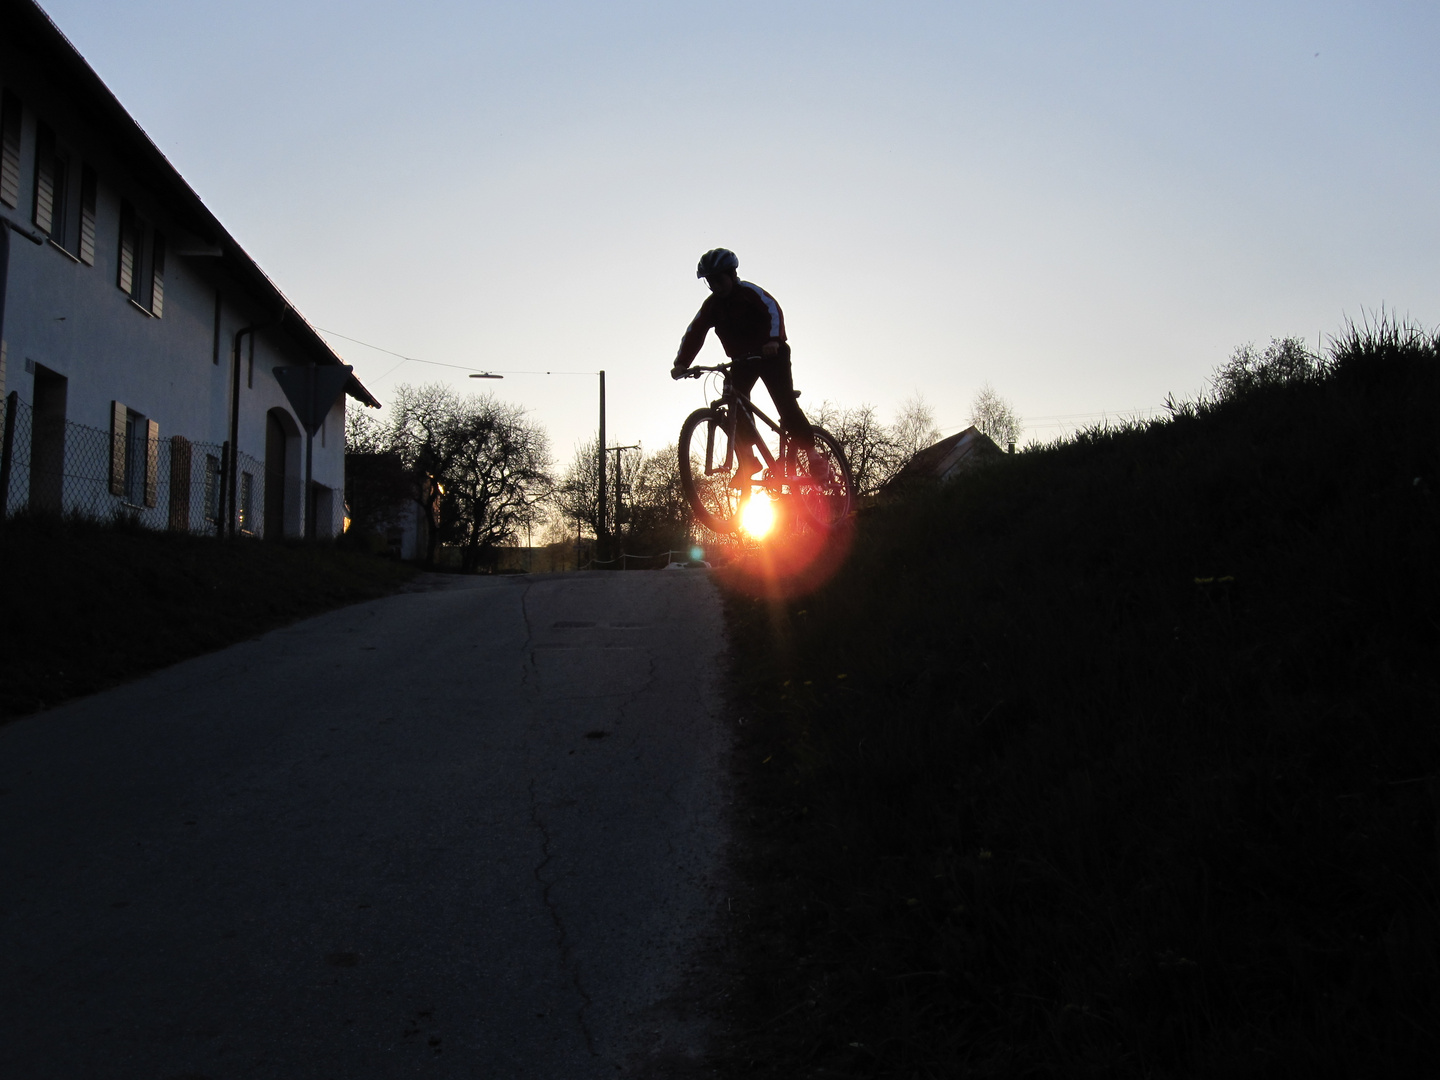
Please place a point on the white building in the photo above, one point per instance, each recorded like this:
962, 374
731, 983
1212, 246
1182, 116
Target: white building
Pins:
138, 338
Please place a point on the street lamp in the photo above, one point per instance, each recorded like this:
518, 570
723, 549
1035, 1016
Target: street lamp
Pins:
486, 375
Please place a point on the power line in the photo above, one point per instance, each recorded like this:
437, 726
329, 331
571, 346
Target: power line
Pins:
437, 363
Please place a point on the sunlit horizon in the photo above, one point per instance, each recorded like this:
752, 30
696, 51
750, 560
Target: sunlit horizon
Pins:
1087, 206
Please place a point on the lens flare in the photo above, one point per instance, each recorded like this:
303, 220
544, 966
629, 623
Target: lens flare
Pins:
759, 516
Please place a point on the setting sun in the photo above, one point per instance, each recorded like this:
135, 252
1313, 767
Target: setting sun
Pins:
759, 516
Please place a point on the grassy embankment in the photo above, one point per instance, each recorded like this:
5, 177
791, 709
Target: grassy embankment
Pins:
1118, 758
88, 607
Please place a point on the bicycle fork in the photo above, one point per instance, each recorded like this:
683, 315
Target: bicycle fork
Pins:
729, 462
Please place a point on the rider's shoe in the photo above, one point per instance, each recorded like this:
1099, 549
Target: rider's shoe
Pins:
744, 477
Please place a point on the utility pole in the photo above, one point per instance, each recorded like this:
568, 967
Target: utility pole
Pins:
616, 450
601, 533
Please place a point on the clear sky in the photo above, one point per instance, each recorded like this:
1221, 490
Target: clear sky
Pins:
1089, 205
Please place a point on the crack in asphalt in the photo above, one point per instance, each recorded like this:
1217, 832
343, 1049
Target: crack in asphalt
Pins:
562, 941
622, 710
527, 646
530, 678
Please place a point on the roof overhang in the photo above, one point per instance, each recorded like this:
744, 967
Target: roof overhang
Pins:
32, 31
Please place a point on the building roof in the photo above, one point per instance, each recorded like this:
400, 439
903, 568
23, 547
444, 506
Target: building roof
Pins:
944, 459
32, 32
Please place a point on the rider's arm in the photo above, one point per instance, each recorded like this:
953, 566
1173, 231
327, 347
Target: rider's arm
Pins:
694, 338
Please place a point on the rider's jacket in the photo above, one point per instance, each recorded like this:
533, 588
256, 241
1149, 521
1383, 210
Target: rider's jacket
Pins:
744, 320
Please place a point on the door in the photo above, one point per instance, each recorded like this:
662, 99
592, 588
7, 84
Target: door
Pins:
47, 442
274, 478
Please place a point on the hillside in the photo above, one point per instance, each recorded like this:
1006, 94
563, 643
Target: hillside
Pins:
89, 606
1120, 757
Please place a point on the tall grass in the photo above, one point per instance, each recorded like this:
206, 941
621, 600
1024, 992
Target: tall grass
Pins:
90, 605
1118, 758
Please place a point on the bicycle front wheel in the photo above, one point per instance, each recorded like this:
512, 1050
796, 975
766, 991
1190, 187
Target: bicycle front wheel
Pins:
826, 487
706, 462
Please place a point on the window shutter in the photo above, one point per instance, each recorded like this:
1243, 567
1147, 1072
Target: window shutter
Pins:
157, 276
10, 150
128, 250
44, 215
88, 185
152, 462
117, 448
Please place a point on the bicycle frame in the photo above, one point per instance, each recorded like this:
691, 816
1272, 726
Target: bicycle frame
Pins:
739, 407
816, 493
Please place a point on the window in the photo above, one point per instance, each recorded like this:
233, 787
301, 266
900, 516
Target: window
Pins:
129, 250
212, 487
10, 149
247, 518
157, 273
62, 213
134, 456
141, 270
52, 171
88, 185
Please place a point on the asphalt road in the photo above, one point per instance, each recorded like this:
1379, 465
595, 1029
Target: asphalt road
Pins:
473, 832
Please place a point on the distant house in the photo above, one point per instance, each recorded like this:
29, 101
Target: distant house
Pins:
945, 459
139, 340
385, 501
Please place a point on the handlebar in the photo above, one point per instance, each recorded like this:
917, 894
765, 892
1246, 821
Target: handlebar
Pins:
718, 369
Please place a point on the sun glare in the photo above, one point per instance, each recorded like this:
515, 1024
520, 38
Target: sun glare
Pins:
759, 516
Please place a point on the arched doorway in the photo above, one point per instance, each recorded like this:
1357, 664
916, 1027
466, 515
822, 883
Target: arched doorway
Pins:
282, 470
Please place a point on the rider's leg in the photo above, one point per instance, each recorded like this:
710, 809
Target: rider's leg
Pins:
780, 382
743, 375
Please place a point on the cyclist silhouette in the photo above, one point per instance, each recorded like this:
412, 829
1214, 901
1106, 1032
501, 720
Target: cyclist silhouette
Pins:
751, 329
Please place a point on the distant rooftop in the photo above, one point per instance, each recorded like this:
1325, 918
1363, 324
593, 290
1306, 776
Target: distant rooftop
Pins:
945, 459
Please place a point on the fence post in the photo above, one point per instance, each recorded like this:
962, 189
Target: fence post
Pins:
7, 452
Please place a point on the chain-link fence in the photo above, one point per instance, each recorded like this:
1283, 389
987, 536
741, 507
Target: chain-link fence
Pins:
53, 466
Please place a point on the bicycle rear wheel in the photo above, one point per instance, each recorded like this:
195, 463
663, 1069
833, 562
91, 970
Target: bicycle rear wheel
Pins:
705, 452
825, 503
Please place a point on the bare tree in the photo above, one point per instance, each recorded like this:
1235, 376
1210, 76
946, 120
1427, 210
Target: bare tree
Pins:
995, 417
1284, 361
913, 430
660, 518
577, 496
868, 444
877, 451
477, 467
416, 433
499, 475
377, 482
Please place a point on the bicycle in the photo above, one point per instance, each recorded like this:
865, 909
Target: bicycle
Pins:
712, 437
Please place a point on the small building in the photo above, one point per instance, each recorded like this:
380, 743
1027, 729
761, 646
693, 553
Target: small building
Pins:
139, 343
945, 460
